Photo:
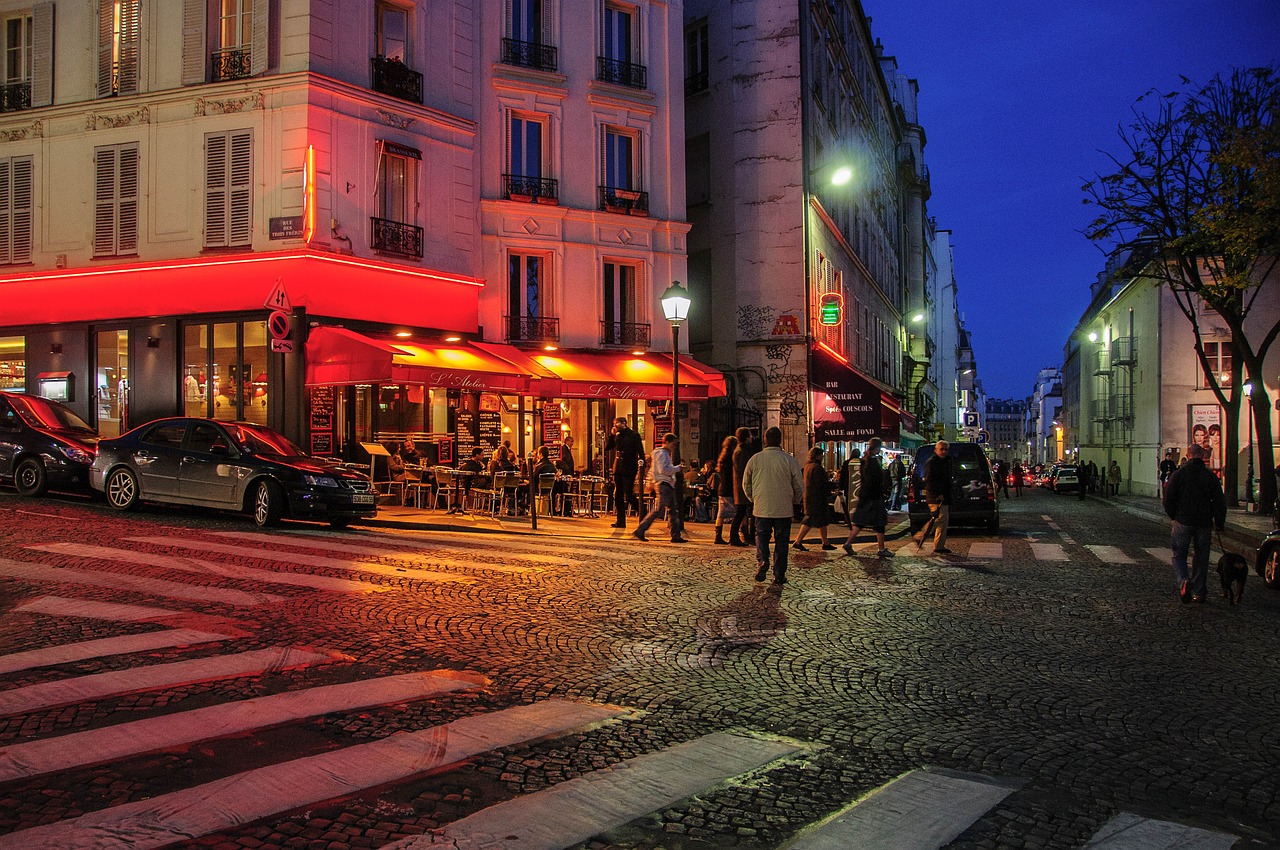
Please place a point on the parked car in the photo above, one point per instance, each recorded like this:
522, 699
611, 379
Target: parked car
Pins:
232, 465
43, 444
1268, 562
973, 489
1065, 479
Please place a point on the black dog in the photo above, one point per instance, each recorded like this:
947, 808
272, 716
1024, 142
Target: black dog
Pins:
1233, 570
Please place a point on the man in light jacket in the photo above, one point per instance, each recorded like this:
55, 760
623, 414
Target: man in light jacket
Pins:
775, 485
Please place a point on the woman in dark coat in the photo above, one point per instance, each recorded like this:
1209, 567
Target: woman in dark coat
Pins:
816, 489
741, 504
724, 486
870, 511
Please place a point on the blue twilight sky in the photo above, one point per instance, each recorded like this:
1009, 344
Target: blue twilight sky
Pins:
1017, 99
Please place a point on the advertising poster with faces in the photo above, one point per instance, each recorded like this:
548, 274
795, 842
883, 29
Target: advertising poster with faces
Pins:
1205, 429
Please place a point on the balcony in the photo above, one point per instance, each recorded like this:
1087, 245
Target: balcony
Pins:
15, 96
536, 190
1121, 407
1102, 362
393, 237
528, 54
392, 77
532, 329
1100, 409
625, 334
233, 63
695, 83
624, 201
1124, 351
622, 73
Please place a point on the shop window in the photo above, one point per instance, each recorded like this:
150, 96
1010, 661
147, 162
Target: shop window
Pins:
115, 200
13, 363
15, 210
225, 371
119, 43
195, 370
228, 189
112, 383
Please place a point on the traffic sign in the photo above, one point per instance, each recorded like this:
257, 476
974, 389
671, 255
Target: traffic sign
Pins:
971, 419
983, 437
279, 299
278, 325
282, 346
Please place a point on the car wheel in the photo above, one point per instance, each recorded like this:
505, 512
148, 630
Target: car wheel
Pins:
122, 489
339, 522
1271, 568
268, 503
30, 478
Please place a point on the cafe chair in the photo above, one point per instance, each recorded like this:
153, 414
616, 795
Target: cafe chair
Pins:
507, 487
412, 486
482, 498
547, 493
444, 488
590, 493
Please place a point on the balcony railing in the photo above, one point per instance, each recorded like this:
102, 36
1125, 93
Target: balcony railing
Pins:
625, 201
1100, 409
1121, 407
1102, 364
622, 73
233, 63
392, 77
516, 187
695, 83
1123, 351
528, 54
533, 329
15, 96
629, 334
393, 237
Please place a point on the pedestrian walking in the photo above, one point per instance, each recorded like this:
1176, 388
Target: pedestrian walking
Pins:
741, 501
870, 511
1018, 474
724, 489
1194, 501
664, 476
1113, 478
817, 489
1002, 479
898, 475
774, 484
628, 449
1082, 480
936, 477
1168, 466
850, 472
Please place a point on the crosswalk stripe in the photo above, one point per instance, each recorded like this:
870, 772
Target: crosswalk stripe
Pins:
97, 746
300, 541
1127, 831
573, 811
982, 549
581, 547
1109, 554
256, 794
116, 682
304, 560
1162, 554
102, 647
197, 565
921, 809
1048, 552
63, 606
40, 573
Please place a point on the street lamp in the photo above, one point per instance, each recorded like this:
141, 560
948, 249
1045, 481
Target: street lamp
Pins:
675, 306
1248, 477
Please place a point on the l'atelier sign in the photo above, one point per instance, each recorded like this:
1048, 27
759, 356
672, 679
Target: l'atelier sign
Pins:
455, 381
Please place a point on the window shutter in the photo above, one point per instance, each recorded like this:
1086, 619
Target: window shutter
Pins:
544, 33
104, 202
6, 211
261, 43
20, 203
508, 19
130, 45
128, 239
241, 189
105, 39
215, 191
42, 54
194, 52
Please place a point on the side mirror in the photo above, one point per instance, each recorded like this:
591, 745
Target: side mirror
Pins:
220, 449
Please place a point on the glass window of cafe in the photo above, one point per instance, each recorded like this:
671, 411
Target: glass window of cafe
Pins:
13, 363
224, 371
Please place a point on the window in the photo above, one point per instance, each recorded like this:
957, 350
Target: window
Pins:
13, 363
398, 183
26, 68
619, 160
529, 35
529, 301
224, 371
228, 190
15, 210
119, 41
235, 23
115, 200
526, 21
623, 323
1219, 356
526, 146
18, 52
619, 25
695, 58
393, 33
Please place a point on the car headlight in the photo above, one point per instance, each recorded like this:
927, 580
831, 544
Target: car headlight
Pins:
75, 453
319, 480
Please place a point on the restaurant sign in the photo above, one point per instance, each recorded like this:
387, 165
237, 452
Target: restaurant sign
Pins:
846, 406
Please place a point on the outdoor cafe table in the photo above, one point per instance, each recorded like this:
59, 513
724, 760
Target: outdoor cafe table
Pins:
459, 476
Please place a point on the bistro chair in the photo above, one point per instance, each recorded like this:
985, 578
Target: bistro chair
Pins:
590, 491
413, 486
480, 495
506, 487
444, 488
547, 493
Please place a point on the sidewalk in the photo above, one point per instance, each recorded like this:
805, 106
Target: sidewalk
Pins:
1244, 530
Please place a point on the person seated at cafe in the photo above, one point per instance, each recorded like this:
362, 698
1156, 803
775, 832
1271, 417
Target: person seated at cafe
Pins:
395, 465
565, 462
503, 460
704, 492
543, 465
409, 452
474, 464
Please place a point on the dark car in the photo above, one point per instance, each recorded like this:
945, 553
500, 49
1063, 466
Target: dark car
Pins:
973, 490
233, 465
43, 444
1268, 561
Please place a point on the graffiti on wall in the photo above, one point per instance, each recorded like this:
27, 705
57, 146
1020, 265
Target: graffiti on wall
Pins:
754, 322
786, 383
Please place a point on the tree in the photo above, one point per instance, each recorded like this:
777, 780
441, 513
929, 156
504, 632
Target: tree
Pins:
1198, 185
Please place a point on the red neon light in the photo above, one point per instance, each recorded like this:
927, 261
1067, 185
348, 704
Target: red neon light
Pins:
309, 195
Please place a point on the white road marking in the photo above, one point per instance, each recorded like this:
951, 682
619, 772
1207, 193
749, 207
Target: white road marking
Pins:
116, 682
303, 560
579, 547
1163, 554
983, 549
917, 811
573, 811
256, 794
63, 606
98, 746
1048, 552
197, 565
291, 539
1129, 832
1109, 554
139, 584
103, 647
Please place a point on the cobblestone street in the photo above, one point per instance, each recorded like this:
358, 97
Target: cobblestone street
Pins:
1052, 662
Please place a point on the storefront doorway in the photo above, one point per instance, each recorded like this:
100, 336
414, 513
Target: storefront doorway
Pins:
111, 408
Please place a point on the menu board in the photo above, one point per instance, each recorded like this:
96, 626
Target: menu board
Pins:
444, 451
321, 443
551, 434
323, 406
490, 430
466, 431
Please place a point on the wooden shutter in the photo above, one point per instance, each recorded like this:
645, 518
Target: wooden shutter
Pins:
128, 193
215, 191
258, 59
104, 202
42, 54
130, 45
20, 204
106, 41
545, 36
240, 186
195, 53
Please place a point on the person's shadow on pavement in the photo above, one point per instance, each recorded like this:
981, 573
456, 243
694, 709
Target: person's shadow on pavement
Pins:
752, 619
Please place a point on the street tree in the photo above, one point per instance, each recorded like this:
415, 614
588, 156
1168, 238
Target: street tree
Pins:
1197, 185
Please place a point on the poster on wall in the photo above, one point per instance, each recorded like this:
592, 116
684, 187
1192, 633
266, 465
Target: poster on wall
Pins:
1204, 427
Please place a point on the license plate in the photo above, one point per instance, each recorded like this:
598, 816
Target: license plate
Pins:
364, 499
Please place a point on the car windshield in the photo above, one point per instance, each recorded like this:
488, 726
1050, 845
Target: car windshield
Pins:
259, 440
42, 413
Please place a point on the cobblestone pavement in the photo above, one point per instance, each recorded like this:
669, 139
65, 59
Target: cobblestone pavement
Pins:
1054, 659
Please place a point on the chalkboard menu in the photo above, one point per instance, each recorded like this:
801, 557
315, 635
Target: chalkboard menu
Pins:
466, 431
322, 443
490, 430
323, 408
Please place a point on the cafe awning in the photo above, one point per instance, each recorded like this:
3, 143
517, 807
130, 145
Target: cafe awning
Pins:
619, 375
847, 405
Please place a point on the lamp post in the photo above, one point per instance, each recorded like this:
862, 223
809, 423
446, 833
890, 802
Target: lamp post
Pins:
675, 306
1248, 477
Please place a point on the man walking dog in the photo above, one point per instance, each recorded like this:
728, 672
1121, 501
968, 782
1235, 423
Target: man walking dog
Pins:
1194, 501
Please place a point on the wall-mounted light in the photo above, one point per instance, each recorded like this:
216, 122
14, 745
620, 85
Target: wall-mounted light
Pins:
550, 347
404, 334
1093, 336
153, 342
918, 317
55, 348
453, 339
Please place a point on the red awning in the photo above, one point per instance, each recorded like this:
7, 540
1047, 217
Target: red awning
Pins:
619, 375
341, 356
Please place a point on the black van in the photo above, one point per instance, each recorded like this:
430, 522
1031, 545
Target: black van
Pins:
973, 490
43, 444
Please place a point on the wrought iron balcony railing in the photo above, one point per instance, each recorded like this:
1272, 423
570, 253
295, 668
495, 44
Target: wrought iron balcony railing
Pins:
533, 329
516, 187
622, 73
695, 83
629, 334
626, 201
1100, 408
392, 77
1102, 365
233, 63
15, 96
529, 54
1123, 351
1121, 407
393, 237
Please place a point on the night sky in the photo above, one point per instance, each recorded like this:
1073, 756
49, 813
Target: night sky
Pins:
1017, 101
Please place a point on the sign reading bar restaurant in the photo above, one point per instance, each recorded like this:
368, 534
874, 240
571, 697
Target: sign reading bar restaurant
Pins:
846, 406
